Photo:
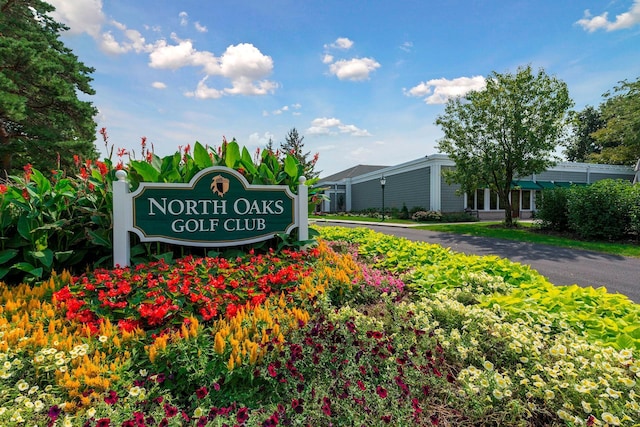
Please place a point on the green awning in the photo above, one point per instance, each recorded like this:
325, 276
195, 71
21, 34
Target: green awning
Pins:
525, 185
546, 184
562, 184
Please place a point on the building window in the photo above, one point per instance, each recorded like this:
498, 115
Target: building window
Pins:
480, 199
526, 199
493, 200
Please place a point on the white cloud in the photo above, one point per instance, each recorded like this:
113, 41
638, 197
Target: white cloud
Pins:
243, 64
205, 92
624, 20
159, 85
261, 140
353, 69
439, 91
184, 18
200, 28
340, 43
81, 16
326, 126
406, 46
327, 59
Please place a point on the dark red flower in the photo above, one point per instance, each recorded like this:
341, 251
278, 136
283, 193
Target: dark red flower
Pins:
434, 420
129, 423
386, 418
296, 405
54, 412
111, 398
170, 411
243, 415
326, 406
382, 392
202, 392
272, 370
103, 422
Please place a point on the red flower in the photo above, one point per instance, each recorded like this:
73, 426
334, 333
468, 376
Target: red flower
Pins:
103, 422
326, 406
361, 385
202, 392
382, 392
296, 405
112, 398
272, 370
28, 170
243, 415
3, 188
170, 411
386, 418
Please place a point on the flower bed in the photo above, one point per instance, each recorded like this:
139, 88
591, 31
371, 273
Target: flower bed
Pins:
364, 329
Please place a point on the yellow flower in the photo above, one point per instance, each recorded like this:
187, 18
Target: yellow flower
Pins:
609, 418
549, 394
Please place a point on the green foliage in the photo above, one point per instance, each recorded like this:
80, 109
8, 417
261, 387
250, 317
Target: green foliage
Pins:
265, 169
620, 136
509, 129
51, 224
495, 282
601, 210
41, 116
552, 209
582, 145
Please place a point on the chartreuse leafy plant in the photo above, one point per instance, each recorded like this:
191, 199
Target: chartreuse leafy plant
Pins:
609, 318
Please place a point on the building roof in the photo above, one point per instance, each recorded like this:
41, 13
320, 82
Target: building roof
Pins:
350, 173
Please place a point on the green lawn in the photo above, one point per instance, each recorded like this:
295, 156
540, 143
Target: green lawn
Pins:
526, 232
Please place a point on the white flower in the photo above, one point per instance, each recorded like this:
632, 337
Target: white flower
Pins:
91, 412
488, 365
22, 385
609, 418
103, 338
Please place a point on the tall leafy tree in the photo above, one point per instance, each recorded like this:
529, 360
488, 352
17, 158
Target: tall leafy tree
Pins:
41, 117
293, 144
620, 136
582, 145
506, 130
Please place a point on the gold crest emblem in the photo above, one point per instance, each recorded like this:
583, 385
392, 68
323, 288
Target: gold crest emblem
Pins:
219, 185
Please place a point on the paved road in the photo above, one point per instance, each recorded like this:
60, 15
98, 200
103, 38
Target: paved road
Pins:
561, 266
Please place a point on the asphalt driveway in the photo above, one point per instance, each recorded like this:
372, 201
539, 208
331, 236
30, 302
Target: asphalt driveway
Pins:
560, 266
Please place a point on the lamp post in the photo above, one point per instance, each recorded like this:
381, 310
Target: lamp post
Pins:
383, 181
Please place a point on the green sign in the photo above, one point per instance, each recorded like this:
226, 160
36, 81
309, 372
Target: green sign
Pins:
217, 208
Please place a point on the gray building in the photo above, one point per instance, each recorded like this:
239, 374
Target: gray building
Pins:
420, 183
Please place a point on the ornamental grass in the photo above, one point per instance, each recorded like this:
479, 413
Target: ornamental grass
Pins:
362, 329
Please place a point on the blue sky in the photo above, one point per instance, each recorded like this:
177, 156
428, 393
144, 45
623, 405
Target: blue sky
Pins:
362, 81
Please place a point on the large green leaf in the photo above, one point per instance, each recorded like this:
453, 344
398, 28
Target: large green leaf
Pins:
45, 257
201, 156
28, 268
291, 166
25, 227
145, 170
232, 154
7, 254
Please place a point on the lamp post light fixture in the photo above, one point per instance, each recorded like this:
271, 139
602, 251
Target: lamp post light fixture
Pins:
383, 181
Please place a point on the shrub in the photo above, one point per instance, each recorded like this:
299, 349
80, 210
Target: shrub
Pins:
552, 209
458, 217
601, 210
424, 216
